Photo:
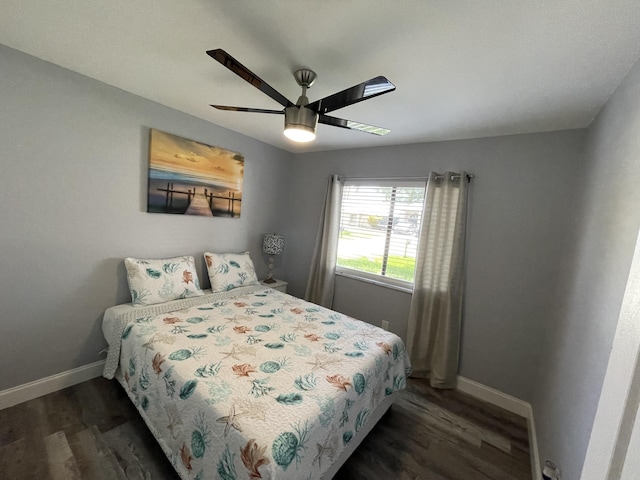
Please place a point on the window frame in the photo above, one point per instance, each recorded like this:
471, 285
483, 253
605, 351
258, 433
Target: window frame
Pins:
375, 278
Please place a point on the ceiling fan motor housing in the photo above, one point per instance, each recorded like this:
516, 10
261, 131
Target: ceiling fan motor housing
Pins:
300, 116
300, 123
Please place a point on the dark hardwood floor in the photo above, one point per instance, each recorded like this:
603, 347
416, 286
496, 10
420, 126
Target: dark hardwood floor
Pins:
92, 431
431, 434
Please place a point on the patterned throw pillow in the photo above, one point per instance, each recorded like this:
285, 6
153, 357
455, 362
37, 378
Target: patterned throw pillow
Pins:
230, 270
162, 280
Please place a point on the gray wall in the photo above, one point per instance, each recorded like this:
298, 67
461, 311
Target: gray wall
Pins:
595, 269
520, 202
73, 158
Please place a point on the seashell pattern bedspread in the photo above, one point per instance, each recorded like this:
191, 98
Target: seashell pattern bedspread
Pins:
256, 385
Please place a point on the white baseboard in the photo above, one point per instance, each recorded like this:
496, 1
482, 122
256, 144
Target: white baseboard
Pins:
511, 404
44, 386
494, 397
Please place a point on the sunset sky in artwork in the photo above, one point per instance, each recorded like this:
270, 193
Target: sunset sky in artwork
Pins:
176, 154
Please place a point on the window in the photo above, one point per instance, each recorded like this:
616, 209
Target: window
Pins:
379, 229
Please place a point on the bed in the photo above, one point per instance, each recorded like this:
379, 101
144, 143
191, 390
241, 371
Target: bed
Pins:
253, 383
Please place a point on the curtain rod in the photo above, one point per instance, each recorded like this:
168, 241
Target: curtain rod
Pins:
469, 177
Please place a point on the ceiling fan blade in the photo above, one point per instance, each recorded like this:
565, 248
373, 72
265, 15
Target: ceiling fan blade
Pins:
244, 109
248, 76
364, 91
362, 127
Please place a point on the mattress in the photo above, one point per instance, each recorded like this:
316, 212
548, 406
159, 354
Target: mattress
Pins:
254, 383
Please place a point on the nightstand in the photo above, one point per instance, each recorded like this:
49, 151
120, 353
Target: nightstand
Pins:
279, 285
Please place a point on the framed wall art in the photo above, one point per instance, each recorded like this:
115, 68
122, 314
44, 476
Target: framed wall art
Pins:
192, 178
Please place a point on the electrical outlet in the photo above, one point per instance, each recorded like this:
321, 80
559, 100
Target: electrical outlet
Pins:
385, 324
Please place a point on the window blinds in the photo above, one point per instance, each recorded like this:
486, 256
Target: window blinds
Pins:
379, 227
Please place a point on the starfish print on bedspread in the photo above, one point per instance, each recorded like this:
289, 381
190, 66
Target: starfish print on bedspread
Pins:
238, 319
174, 419
327, 448
323, 361
230, 421
377, 391
305, 326
158, 338
237, 350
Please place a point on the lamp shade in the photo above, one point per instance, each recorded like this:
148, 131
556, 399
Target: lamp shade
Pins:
273, 243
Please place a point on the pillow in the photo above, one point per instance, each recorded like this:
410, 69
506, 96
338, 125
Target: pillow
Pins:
230, 270
162, 280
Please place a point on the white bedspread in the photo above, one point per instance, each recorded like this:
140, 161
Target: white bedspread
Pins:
253, 384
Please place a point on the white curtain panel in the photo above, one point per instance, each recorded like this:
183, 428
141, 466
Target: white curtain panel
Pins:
435, 316
321, 282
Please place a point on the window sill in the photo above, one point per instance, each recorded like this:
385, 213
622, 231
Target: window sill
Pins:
379, 283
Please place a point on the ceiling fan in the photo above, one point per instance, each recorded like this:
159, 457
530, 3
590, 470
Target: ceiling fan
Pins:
301, 118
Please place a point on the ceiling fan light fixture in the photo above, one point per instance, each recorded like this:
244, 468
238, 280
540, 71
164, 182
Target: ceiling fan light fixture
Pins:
299, 133
300, 124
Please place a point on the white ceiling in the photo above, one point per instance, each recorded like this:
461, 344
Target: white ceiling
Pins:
463, 69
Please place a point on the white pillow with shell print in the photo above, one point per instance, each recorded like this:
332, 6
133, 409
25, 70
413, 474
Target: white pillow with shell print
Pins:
161, 280
230, 270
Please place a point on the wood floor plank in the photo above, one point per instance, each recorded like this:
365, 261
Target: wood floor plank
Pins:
16, 461
26, 456
457, 425
11, 424
62, 463
138, 453
508, 424
59, 412
512, 464
95, 460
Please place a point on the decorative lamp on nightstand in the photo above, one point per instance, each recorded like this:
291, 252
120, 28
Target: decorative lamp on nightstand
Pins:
272, 244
